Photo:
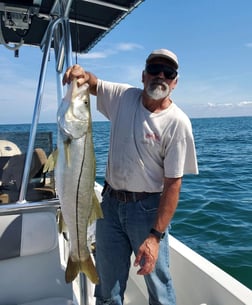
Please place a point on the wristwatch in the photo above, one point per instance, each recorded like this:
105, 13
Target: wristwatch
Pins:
157, 234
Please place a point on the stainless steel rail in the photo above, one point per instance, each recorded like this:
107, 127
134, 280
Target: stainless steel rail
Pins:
56, 26
7, 209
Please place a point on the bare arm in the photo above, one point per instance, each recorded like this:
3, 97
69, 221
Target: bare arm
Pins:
168, 203
82, 76
167, 207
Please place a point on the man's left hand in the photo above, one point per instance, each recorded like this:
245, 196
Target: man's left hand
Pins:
147, 255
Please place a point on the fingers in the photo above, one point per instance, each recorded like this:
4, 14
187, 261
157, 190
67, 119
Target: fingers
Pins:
146, 257
75, 71
147, 267
67, 76
81, 81
138, 258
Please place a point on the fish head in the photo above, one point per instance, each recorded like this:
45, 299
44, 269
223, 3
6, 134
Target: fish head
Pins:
74, 116
80, 102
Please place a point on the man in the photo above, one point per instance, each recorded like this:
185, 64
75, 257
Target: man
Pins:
151, 148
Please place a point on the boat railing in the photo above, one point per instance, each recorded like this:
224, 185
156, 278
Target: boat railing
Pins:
52, 29
13, 208
57, 37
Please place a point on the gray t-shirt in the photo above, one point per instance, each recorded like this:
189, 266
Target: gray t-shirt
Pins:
145, 147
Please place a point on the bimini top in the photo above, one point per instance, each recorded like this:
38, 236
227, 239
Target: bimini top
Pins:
25, 22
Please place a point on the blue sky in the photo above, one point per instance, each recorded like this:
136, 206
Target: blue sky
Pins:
212, 38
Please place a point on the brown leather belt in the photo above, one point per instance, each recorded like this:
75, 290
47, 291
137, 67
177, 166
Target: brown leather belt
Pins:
125, 196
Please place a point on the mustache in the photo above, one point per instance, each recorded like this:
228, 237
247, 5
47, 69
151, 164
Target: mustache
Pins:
158, 81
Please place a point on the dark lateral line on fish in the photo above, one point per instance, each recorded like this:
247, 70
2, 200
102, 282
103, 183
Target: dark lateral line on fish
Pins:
77, 193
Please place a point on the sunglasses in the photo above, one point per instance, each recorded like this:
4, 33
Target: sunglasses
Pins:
155, 69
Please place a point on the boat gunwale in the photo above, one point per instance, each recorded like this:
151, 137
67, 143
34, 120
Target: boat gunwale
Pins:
15, 208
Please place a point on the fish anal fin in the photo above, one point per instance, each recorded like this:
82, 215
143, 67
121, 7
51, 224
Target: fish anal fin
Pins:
89, 269
62, 227
96, 212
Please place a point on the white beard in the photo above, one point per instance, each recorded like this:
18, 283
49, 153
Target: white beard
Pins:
158, 90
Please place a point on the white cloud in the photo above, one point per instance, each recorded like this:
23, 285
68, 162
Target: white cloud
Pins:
93, 55
245, 103
223, 105
112, 49
211, 105
128, 46
218, 109
228, 105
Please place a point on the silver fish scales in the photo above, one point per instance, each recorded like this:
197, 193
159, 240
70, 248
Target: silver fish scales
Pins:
75, 177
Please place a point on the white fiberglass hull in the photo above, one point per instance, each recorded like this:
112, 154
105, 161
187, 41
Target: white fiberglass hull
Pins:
34, 272
196, 280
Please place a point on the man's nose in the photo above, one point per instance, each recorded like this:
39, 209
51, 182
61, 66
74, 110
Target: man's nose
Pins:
161, 74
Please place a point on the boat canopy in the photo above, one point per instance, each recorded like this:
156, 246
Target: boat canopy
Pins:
26, 22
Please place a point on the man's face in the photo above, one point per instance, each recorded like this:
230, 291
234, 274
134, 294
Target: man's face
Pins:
159, 78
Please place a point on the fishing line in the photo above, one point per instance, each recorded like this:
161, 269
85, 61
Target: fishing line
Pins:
77, 33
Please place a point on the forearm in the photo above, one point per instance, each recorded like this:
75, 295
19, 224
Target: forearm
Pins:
167, 207
168, 203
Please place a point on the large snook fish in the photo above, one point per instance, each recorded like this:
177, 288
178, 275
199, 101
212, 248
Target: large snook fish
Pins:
75, 176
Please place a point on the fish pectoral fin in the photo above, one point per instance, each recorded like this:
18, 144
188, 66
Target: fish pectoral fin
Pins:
67, 152
72, 270
89, 269
96, 212
51, 162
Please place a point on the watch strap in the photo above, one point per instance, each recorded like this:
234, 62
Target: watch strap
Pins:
157, 234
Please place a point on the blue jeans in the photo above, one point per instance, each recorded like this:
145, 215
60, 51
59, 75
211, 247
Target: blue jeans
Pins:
122, 230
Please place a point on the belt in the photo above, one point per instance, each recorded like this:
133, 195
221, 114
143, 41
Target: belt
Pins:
125, 196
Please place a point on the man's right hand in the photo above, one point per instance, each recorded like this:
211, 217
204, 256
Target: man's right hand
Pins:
76, 71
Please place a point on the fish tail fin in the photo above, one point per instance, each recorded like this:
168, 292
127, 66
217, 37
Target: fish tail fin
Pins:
89, 269
72, 270
96, 212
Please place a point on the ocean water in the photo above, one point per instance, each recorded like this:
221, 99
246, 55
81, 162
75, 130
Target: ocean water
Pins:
214, 216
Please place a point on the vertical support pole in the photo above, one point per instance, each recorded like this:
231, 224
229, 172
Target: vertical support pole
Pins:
36, 112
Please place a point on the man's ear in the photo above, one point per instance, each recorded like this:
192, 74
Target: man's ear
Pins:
143, 74
175, 82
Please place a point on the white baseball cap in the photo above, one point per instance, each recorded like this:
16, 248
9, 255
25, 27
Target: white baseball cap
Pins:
163, 53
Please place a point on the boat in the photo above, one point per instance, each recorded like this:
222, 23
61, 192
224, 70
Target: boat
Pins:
33, 253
